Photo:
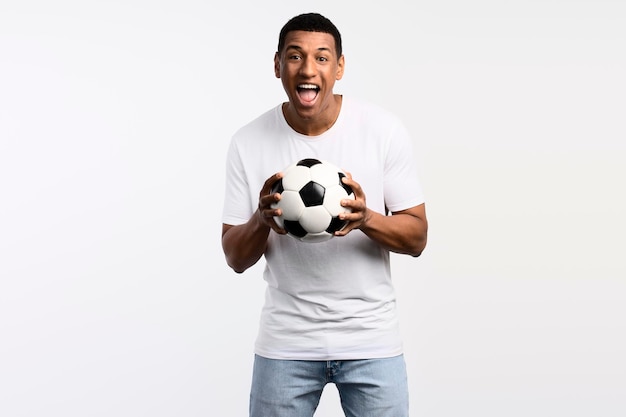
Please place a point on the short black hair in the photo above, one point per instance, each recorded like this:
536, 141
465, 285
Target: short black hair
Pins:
310, 22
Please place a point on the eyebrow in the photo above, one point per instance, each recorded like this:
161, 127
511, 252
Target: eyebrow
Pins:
296, 47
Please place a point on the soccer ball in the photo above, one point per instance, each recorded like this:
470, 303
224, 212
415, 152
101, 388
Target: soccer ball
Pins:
311, 192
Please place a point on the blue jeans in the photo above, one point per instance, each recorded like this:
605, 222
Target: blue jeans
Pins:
367, 388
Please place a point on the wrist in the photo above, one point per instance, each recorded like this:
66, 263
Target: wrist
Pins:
367, 220
259, 221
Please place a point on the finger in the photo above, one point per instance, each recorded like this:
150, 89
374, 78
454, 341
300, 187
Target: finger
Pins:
269, 183
267, 200
267, 216
353, 218
275, 227
268, 212
346, 229
272, 222
356, 205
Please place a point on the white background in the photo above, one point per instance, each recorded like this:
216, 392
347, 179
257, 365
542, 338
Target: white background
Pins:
115, 299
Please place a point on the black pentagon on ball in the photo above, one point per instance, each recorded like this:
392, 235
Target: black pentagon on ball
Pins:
336, 224
278, 187
294, 228
308, 162
312, 194
345, 187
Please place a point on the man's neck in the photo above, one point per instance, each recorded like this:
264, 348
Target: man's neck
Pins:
316, 126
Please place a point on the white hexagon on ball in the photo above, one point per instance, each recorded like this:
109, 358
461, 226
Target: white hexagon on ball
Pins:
332, 200
296, 177
291, 205
322, 175
315, 219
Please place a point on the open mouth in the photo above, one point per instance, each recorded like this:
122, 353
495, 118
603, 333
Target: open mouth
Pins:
307, 92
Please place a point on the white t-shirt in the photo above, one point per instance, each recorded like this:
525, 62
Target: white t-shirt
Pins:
332, 300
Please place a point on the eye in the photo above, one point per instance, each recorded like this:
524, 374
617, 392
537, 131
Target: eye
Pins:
323, 59
294, 57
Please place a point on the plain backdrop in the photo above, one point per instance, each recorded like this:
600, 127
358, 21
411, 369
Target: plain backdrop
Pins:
115, 299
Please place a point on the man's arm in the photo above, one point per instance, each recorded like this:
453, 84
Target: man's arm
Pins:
244, 244
404, 231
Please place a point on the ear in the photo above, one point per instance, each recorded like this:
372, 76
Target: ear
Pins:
340, 67
277, 65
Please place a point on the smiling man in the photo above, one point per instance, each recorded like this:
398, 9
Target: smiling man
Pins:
330, 308
308, 65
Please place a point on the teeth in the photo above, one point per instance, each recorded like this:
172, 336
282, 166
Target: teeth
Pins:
308, 86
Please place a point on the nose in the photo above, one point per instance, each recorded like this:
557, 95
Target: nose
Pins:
308, 67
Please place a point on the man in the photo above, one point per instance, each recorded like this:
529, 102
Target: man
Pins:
329, 313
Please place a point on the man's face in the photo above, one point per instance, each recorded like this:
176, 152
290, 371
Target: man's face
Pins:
308, 67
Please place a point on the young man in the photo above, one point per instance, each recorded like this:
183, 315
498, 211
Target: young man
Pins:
330, 313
